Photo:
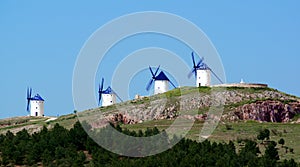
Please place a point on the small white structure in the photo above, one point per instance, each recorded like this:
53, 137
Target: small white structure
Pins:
138, 97
161, 86
202, 73
36, 106
203, 77
108, 97
161, 83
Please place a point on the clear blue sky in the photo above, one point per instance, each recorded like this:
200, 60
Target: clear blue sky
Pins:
258, 41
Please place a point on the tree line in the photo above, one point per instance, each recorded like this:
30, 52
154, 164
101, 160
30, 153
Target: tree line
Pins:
59, 146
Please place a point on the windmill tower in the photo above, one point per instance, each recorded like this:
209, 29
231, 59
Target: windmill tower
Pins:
35, 104
202, 73
203, 76
108, 96
161, 82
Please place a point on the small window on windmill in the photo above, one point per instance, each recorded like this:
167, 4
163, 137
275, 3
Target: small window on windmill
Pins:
110, 101
158, 87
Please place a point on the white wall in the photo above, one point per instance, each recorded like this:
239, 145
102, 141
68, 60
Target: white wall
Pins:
108, 99
203, 78
36, 108
161, 86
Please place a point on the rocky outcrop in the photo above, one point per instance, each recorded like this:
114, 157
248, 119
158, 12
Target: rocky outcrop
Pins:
268, 111
199, 100
281, 107
120, 118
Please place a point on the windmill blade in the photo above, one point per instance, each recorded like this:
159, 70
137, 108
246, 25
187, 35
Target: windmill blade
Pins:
28, 98
153, 76
27, 93
30, 92
191, 73
216, 76
200, 62
194, 66
102, 83
156, 70
100, 91
172, 84
27, 107
193, 58
100, 95
149, 84
117, 95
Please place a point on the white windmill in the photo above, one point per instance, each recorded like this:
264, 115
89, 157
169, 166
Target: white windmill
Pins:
161, 82
202, 73
35, 104
108, 96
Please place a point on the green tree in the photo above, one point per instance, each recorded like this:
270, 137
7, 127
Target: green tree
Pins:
80, 159
263, 134
271, 151
78, 136
47, 158
281, 141
288, 163
248, 154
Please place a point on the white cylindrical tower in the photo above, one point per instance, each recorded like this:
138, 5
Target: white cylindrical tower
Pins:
108, 99
161, 83
37, 106
203, 77
161, 86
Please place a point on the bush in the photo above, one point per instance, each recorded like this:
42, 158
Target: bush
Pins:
281, 141
264, 134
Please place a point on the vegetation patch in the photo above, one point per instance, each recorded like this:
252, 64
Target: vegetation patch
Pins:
59, 146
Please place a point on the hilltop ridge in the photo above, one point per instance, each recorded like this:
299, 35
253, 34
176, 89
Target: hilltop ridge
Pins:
260, 104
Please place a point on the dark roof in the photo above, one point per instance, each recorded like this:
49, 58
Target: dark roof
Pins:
162, 77
37, 97
203, 66
108, 91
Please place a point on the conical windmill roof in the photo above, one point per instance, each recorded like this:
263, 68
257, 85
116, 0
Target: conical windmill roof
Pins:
37, 97
203, 66
162, 77
108, 91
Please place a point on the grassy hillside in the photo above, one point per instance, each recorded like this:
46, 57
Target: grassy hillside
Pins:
35, 124
225, 131
238, 131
